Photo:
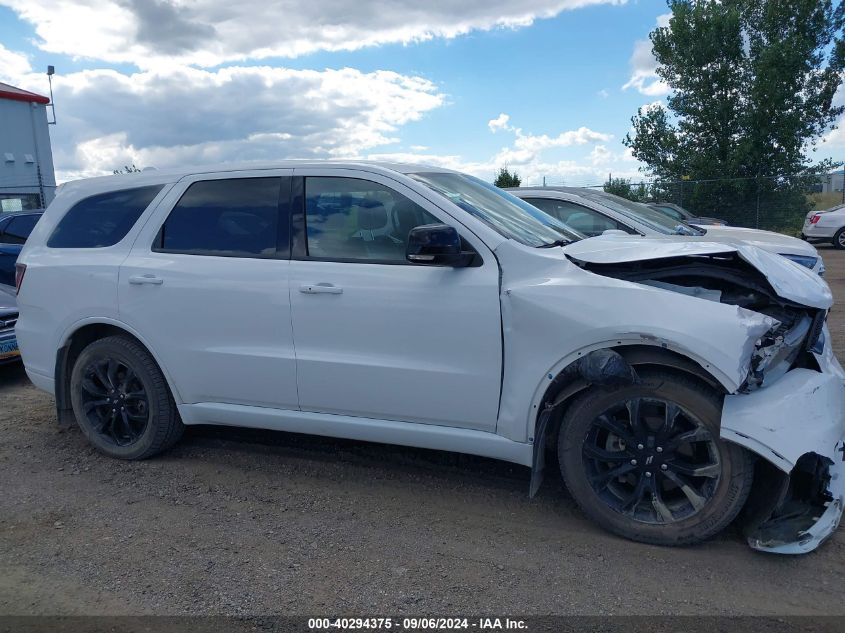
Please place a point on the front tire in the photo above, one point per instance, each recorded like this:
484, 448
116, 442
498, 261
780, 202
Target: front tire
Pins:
645, 461
838, 240
121, 400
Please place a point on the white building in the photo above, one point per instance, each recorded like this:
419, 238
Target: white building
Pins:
27, 179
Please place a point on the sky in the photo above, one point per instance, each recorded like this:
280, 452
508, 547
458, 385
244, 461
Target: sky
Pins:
544, 87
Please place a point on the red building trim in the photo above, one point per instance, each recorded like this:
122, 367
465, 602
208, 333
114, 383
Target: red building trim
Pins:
16, 94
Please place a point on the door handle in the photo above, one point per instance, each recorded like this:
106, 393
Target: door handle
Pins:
152, 280
320, 288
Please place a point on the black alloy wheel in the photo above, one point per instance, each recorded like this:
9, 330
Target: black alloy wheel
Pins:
651, 460
122, 401
115, 401
645, 460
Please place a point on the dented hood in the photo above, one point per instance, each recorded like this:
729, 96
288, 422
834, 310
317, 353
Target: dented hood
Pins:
788, 279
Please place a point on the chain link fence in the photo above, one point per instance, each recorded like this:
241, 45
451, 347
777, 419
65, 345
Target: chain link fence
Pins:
774, 203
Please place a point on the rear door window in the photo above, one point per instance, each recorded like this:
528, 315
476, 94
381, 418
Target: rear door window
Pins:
229, 217
102, 220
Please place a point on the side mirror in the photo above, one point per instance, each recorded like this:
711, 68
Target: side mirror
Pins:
436, 245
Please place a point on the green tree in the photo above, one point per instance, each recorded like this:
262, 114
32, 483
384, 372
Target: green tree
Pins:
507, 179
752, 85
623, 187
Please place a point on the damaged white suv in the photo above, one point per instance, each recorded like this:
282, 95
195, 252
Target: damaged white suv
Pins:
678, 382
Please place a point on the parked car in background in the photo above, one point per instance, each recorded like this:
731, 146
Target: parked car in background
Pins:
675, 379
677, 212
15, 228
826, 226
593, 212
9, 352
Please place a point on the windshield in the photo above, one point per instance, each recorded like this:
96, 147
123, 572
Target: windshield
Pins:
653, 218
503, 212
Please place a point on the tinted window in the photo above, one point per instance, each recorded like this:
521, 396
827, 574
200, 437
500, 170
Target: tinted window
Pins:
234, 217
580, 218
18, 229
102, 220
349, 218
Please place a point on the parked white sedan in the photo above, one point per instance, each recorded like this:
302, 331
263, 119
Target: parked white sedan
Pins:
593, 211
826, 226
675, 379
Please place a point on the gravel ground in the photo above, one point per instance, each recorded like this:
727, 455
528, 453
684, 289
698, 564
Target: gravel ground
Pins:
240, 522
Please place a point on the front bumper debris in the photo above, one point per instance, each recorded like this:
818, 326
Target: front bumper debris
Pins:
797, 425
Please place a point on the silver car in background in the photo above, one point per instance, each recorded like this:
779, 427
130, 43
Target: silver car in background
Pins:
592, 212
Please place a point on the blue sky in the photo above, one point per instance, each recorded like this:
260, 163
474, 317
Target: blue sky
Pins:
162, 83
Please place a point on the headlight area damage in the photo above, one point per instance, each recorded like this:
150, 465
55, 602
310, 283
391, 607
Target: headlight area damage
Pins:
790, 409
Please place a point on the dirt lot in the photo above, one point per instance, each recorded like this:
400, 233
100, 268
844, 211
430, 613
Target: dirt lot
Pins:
270, 523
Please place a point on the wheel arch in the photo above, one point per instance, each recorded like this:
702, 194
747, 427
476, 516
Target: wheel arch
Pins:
568, 382
77, 338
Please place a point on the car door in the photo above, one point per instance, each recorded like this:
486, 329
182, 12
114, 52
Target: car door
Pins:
376, 336
206, 285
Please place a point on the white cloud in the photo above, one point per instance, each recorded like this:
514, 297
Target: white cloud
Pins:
600, 154
833, 140
191, 116
210, 32
643, 66
499, 123
581, 136
604, 94
13, 65
528, 155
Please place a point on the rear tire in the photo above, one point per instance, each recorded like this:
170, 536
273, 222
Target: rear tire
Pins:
670, 483
838, 240
121, 400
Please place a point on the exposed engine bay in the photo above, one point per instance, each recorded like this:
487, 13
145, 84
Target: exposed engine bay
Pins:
727, 278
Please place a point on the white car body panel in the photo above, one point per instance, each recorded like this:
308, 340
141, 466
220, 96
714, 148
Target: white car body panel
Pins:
437, 437
790, 280
399, 342
240, 349
770, 241
765, 423
540, 294
829, 222
93, 274
446, 358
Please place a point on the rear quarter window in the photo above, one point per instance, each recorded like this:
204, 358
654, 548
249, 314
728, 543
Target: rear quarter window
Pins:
102, 220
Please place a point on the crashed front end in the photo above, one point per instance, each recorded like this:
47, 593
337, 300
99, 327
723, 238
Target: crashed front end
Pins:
790, 409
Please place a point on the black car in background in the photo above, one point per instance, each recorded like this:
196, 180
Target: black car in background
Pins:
15, 227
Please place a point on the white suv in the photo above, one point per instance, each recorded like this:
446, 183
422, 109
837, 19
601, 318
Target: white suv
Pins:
418, 306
